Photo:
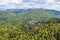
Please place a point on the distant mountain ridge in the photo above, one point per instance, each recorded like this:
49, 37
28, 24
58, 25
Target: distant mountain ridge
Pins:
39, 14
16, 11
41, 9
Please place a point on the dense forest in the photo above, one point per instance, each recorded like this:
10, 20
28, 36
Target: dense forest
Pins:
29, 25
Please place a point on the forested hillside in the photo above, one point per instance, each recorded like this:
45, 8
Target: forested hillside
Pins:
35, 14
29, 25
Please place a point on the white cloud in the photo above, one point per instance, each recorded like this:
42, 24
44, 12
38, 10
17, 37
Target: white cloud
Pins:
10, 1
48, 4
15, 1
50, 1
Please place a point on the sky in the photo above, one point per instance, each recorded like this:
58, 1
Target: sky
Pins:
27, 4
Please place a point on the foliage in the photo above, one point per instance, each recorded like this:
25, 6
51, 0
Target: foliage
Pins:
23, 31
19, 29
35, 15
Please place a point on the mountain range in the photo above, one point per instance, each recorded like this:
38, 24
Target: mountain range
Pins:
17, 11
32, 13
39, 14
22, 10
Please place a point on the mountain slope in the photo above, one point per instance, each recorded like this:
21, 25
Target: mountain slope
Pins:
17, 11
35, 14
38, 14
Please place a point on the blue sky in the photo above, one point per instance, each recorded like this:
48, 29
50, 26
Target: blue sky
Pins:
26, 4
